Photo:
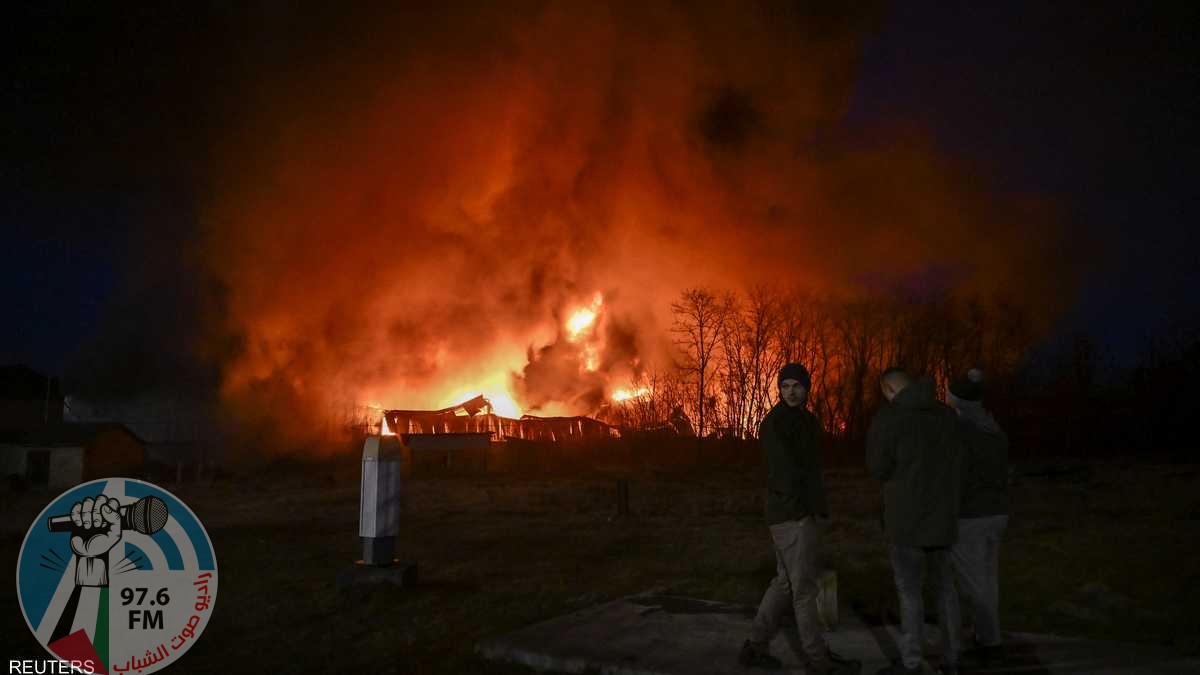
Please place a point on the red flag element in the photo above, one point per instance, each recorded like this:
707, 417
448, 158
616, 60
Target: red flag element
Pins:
77, 647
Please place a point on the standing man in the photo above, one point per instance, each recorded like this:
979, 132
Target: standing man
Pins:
983, 513
914, 448
796, 510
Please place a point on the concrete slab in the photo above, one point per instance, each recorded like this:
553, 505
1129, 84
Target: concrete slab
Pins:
658, 634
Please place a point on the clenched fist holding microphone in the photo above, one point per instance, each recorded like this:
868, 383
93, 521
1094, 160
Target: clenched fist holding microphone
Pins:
97, 529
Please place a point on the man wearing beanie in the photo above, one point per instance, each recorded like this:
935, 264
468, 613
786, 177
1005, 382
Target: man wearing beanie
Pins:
795, 508
983, 514
914, 448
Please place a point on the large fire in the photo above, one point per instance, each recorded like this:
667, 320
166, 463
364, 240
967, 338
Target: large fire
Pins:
546, 182
493, 378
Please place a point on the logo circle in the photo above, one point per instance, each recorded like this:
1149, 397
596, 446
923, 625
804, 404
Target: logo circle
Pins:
117, 574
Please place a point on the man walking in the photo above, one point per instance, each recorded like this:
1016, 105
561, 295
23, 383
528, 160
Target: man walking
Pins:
983, 514
913, 447
795, 508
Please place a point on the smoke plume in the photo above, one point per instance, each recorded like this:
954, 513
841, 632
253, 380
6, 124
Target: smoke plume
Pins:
417, 201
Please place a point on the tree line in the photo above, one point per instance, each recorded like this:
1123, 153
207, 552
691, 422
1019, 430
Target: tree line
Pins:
730, 345
1055, 396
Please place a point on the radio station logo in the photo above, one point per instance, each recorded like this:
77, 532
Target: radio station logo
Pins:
117, 574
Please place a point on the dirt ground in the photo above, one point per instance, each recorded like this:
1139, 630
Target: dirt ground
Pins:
1110, 551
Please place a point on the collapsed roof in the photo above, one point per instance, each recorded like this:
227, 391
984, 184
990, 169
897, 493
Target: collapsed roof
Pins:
476, 415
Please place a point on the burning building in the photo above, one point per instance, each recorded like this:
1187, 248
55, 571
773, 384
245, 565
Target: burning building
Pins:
477, 416
472, 437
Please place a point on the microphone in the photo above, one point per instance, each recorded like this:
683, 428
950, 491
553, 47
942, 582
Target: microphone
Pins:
147, 515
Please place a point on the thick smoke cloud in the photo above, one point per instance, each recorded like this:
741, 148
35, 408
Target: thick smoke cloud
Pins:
415, 200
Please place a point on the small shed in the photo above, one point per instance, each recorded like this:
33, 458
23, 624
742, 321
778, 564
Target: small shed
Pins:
65, 455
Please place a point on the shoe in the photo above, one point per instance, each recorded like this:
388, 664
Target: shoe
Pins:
897, 668
985, 656
833, 664
758, 655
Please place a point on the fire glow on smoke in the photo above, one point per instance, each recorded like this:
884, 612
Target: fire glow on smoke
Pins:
505, 199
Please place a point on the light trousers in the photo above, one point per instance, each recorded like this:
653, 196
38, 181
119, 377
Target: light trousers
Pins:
794, 588
976, 562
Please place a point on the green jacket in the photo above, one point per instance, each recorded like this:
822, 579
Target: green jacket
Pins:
791, 441
914, 447
985, 467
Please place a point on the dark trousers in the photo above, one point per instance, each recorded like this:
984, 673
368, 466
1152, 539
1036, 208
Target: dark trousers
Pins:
908, 566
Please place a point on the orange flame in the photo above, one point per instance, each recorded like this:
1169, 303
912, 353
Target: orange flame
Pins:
625, 394
581, 321
503, 403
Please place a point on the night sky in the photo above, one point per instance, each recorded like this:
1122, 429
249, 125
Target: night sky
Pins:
111, 115
1093, 105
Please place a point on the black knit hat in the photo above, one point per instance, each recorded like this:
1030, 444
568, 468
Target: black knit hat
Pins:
969, 387
795, 371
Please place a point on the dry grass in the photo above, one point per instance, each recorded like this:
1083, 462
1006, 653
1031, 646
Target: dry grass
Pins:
1114, 554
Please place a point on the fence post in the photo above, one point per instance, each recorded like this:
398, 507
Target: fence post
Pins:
622, 498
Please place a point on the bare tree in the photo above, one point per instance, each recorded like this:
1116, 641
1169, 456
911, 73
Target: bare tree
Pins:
699, 322
764, 315
732, 373
804, 334
750, 359
731, 347
860, 333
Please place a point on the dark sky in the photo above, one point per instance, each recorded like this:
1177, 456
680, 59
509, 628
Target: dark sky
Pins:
110, 114
1091, 104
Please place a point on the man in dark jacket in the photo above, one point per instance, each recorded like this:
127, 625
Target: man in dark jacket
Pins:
983, 514
795, 507
913, 446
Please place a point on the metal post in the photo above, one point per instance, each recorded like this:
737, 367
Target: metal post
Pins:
379, 500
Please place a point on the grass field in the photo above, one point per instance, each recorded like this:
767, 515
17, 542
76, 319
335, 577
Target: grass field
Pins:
1110, 553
